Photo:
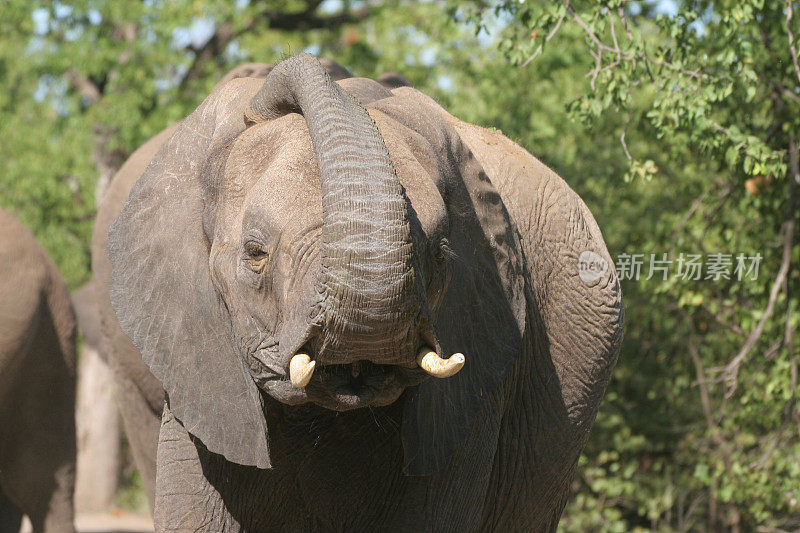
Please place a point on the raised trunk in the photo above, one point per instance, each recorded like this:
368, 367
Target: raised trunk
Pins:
367, 287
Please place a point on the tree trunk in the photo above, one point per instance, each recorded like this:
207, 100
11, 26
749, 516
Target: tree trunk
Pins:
98, 430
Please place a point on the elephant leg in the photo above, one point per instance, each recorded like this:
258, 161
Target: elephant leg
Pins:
185, 500
37, 471
197, 490
141, 428
40, 488
58, 516
10, 515
139, 394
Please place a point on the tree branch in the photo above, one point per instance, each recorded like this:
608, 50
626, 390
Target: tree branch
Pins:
212, 48
300, 21
705, 398
85, 87
308, 21
788, 412
792, 49
546, 40
731, 370
788, 334
621, 55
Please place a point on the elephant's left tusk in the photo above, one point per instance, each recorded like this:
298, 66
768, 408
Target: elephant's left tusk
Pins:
301, 368
437, 367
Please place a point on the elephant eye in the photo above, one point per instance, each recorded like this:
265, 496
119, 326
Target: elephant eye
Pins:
254, 250
444, 252
256, 255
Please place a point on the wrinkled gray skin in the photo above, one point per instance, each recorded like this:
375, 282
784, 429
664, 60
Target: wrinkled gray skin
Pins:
355, 222
37, 386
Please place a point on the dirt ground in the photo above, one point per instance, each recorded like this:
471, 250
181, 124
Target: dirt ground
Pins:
116, 522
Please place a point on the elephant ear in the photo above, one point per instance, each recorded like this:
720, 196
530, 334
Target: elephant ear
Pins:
161, 287
483, 313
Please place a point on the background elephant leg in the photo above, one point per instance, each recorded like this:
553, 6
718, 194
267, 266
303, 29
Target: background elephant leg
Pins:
141, 428
41, 487
58, 515
37, 471
10, 516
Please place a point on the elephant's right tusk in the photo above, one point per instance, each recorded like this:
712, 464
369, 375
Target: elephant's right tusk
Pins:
437, 367
301, 368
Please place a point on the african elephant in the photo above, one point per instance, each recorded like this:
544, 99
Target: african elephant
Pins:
37, 386
366, 314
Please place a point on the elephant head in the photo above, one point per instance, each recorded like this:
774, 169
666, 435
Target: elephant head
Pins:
318, 241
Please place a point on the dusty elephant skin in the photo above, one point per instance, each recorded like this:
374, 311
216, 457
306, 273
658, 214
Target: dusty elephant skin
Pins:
37, 386
295, 259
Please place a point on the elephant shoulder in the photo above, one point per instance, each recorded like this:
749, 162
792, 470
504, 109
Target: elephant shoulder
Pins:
23, 268
31, 288
26, 269
19, 249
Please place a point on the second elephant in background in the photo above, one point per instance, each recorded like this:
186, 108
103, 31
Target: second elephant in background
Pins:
37, 386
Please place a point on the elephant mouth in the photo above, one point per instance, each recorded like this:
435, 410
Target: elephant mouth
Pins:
350, 385
343, 387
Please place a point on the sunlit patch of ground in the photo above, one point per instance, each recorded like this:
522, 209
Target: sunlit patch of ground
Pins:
115, 522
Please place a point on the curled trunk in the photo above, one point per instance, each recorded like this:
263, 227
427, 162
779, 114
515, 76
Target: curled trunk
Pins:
367, 281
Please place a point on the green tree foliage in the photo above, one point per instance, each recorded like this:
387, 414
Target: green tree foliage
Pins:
677, 130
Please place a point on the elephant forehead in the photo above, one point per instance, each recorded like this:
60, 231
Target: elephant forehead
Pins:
274, 169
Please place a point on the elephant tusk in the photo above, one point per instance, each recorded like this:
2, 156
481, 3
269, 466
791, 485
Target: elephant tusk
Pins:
437, 367
301, 368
